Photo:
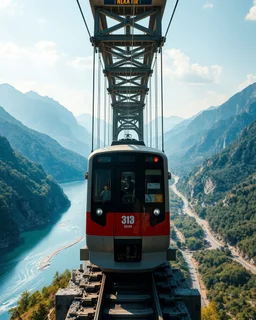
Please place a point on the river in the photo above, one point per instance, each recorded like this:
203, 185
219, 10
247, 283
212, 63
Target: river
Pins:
19, 270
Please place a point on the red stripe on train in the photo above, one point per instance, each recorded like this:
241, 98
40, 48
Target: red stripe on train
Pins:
128, 224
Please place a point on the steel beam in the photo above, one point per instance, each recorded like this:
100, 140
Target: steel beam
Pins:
127, 37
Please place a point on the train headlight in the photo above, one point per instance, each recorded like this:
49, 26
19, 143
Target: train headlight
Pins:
156, 212
99, 212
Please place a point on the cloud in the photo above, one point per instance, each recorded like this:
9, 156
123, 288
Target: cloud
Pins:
13, 9
11, 51
178, 65
250, 80
43, 68
47, 52
5, 3
41, 21
41, 52
208, 6
252, 12
83, 62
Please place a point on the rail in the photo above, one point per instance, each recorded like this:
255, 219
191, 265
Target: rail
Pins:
158, 295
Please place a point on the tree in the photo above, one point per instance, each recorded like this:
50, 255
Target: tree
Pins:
24, 301
40, 314
210, 312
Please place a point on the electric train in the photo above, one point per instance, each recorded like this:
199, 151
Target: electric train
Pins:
127, 218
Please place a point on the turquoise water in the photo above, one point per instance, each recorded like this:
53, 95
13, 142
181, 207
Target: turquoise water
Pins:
19, 269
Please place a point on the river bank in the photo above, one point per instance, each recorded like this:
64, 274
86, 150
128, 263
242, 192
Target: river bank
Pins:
19, 271
47, 260
209, 235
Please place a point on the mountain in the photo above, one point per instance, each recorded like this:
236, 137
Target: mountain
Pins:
85, 120
223, 171
219, 136
224, 189
28, 197
47, 116
169, 123
185, 142
63, 164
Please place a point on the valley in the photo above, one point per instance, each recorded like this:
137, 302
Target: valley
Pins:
209, 236
198, 272
20, 268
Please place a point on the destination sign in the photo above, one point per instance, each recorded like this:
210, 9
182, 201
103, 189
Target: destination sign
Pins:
127, 2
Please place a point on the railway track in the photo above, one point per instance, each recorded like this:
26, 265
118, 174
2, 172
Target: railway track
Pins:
128, 297
159, 295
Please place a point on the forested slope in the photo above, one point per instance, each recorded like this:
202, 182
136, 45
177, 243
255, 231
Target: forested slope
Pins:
224, 190
210, 131
46, 115
28, 197
63, 164
229, 284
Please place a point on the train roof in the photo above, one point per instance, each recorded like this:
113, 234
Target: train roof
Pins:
127, 148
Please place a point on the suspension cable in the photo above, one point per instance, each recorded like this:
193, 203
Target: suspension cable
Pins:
162, 100
150, 112
177, 1
109, 126
81, 11
145, 120
93, 94
105, 110
156, 102
112, 124
148, 116
99, 101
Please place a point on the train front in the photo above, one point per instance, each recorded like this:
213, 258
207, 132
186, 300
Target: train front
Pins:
127, 219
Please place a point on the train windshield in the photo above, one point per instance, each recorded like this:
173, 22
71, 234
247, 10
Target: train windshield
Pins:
102, 186
128, 186
128, 182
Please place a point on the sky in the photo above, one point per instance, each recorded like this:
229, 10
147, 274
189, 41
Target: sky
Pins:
209, 55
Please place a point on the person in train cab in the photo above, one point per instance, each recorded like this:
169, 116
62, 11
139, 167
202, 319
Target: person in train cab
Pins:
129, 185
105, 194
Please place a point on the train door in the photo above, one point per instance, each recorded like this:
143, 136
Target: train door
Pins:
154, 206
128, 216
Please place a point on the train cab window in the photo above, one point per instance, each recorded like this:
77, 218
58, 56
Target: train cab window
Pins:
102, 186
128, 187
153, 186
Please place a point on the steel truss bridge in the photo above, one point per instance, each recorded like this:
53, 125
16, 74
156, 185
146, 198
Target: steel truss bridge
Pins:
128, 34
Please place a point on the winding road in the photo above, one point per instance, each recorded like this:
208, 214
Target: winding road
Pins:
195, 281
215, 243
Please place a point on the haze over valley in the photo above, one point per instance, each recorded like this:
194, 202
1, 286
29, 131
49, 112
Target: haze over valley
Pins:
58, 104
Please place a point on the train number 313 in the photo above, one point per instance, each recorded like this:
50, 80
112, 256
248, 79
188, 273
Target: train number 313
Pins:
128, 220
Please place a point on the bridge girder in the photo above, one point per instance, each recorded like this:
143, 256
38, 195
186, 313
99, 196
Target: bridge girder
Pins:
128, 37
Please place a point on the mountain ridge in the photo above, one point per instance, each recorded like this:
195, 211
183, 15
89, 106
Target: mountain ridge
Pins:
223, 189
28, 197
63, 164
189, 138
47, 116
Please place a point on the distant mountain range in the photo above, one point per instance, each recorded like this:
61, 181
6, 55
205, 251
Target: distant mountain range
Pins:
28, 197
85, 120
62, 164
209, 132
46, 115
169, 123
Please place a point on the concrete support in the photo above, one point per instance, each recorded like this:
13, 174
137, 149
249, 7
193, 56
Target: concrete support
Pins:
64, 299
